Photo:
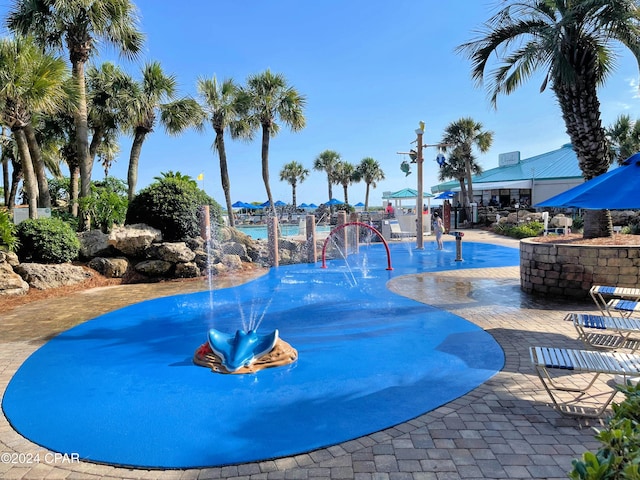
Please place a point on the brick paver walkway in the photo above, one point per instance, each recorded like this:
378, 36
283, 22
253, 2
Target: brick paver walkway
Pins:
503, 429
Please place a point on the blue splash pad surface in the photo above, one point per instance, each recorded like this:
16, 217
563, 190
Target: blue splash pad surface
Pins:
122, 388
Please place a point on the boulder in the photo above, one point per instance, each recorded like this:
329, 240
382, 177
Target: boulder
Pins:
187, 270
94, 243
232, 262
44, 276
10, 257
177, 252
110, 267
133, 240
10, 282
236, 248
154, 268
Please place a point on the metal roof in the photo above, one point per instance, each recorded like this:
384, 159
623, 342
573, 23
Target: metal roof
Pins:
557, 164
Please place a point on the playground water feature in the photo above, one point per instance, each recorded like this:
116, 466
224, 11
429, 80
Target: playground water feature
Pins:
121, 388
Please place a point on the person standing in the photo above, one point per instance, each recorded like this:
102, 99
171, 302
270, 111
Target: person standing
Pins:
438, 228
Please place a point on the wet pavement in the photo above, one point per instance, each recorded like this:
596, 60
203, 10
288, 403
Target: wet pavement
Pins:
503, 429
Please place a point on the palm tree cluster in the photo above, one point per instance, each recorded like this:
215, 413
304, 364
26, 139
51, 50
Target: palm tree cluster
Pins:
74, 115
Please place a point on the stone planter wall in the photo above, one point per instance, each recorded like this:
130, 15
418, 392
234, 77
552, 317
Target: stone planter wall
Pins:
565, 270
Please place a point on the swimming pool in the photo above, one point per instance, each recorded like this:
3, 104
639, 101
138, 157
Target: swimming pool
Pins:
258, 232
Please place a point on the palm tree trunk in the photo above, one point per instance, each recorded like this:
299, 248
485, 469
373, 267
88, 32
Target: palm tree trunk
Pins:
96, 141
224, 176
74, 177
5, 179
16, 176
266, 133
346, 195
469, 193
44, 197
134, 160
581, 112
82, 137
366, 198
30, 183
293, 195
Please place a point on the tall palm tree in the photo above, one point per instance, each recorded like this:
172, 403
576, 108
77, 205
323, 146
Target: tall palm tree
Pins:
266, 99
326, 162
156, 94
344, 173
463, 135
292, 173
79, 24
371, 173
571, 43
220, 105
624, 136
455, 168
31, 82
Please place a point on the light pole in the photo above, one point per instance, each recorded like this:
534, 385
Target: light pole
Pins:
420, 199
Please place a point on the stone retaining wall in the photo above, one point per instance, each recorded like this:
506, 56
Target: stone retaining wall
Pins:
564, 270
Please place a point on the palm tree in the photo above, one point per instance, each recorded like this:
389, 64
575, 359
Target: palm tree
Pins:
571, 42
79, 24
463, 135
220, 104
156, 94
344, 173
31, 82
624, 136
371, 173
456, 168
326, 162
292, 173
267, 98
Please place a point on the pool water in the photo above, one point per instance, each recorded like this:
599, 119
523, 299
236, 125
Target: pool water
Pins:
258, 232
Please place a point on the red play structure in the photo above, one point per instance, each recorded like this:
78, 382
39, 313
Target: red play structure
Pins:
359, 224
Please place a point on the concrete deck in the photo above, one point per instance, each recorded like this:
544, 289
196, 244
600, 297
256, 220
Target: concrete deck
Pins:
503, 429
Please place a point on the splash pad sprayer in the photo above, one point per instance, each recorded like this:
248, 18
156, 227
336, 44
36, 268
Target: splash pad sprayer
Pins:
358, 224
458, 236
241, 352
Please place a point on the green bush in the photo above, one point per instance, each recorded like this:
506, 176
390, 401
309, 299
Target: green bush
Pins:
8, 238
47, 240
107, 204
619, 456
174, 207
526, 230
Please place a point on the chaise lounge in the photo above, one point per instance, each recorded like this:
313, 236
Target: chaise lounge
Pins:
552, 364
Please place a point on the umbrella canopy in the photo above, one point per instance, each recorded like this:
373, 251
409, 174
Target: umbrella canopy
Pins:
359, 204
448, 195
313, 205
239, 204
303, 205
615, 190
280, 203
334, 201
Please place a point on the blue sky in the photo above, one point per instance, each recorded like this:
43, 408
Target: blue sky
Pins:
370, 71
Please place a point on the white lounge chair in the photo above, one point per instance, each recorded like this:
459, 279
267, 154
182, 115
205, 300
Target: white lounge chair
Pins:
549, 362
397, 232
606, 332
621, 299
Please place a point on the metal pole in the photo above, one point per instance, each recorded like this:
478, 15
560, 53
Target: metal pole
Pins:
419, 219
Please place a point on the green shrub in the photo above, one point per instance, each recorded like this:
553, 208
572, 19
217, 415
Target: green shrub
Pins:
107, 204
8, 238
578, 223
526, 230
47, 240
619, 456
174, 207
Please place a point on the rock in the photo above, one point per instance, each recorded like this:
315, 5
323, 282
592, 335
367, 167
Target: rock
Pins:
177, 252
10, 257
110, 267
94, 243
43, 277
133, 240
232, 262
236, 248
10, 282
187, 270
154, 268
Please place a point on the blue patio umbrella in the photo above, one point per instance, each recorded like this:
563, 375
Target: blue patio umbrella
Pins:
303, 205
448, 195
239, 204
615, 190
359, 204
313, 205
280, 203
334, 201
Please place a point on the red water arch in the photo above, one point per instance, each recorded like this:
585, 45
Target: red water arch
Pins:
359, 224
